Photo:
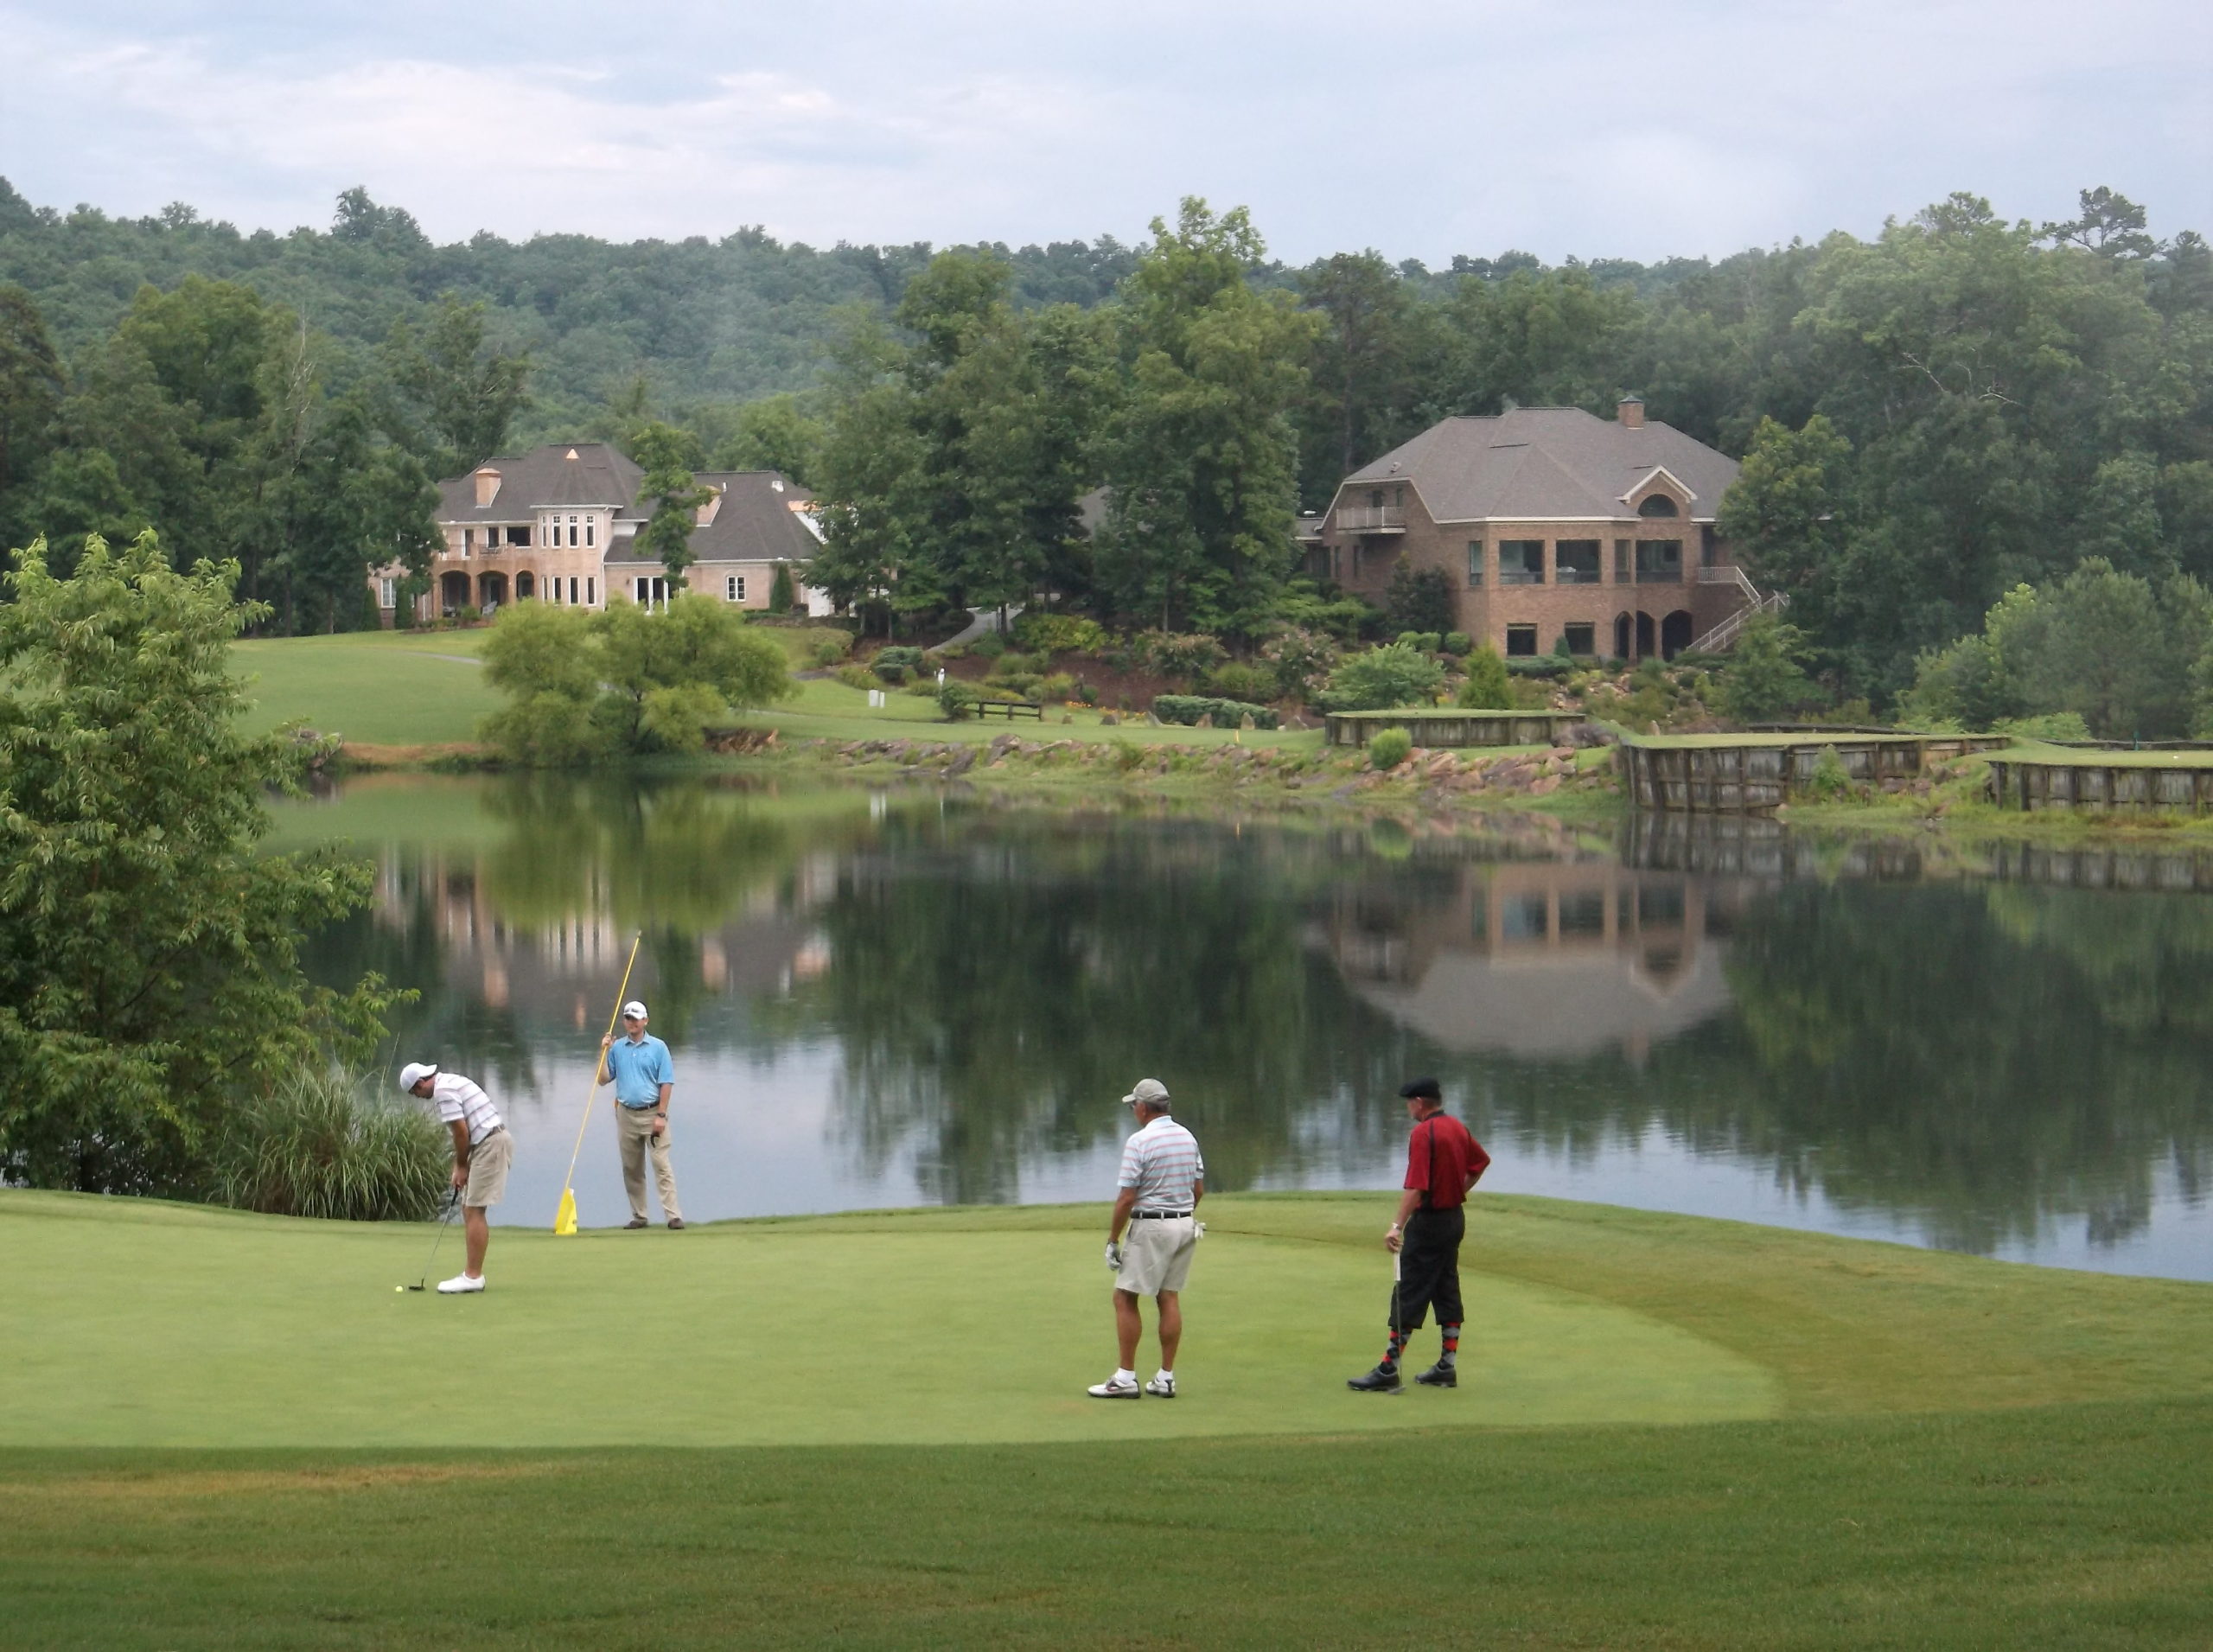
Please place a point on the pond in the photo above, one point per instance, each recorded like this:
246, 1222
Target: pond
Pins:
880, 999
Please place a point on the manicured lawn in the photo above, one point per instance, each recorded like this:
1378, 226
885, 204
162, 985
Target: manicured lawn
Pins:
218, 1429
824, 710
384, 688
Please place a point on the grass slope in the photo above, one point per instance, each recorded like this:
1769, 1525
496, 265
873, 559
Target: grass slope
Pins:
385, 688
1964, 1453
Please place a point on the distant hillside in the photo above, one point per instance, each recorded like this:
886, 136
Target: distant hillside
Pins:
732, 319
701, 320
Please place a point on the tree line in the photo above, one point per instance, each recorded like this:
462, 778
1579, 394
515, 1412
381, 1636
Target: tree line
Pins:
1928, 419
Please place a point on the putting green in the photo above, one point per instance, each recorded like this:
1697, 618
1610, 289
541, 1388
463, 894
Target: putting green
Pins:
139, 1323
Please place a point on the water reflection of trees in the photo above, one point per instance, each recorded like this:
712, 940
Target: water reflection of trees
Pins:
997, 990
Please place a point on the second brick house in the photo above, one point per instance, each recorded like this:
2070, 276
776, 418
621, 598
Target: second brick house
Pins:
1550, 524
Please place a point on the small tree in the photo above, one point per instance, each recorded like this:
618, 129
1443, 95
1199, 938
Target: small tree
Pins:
1419, 599
149, 967
668, 454
624, 680
781, 595
1765, 676
1487, 687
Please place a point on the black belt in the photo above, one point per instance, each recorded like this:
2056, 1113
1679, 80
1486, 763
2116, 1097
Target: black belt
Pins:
1156, 1215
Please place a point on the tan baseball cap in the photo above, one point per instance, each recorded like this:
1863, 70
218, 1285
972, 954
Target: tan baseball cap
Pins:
1150, 1092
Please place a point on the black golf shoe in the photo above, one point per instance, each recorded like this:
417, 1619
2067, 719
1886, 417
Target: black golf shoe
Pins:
1377, 1381
637, 1221
1439, 1375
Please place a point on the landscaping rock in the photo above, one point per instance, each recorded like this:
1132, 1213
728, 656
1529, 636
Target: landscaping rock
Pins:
1543, 787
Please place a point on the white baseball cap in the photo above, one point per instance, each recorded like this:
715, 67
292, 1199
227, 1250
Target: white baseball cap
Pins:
1149, 1091
414, 1073
633, 1011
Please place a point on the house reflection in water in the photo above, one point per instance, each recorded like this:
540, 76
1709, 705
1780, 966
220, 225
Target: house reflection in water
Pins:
1545, 960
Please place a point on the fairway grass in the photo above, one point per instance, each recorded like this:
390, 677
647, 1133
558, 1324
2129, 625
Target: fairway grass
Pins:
870, 1430
382, 688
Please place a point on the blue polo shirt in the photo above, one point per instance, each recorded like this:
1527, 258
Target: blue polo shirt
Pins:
640, 1070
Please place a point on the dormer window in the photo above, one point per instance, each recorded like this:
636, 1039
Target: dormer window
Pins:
1657, 505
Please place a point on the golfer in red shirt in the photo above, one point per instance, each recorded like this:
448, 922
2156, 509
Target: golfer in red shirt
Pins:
1443, 1162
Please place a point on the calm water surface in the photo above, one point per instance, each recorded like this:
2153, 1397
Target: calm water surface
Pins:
911, 998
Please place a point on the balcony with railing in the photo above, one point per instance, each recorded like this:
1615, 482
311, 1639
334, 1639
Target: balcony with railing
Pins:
1371, 519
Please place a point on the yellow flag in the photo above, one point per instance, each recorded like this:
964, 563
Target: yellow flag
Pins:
566, 1221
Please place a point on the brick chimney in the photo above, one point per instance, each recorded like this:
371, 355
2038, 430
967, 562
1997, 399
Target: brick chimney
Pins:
488, 485
1629, 409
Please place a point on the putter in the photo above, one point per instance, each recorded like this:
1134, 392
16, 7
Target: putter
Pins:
446, 1220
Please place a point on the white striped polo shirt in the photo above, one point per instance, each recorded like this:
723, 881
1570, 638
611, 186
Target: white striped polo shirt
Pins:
459, 1099
1162, 1162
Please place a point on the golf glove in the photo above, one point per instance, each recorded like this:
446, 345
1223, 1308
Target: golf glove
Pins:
1115, 1257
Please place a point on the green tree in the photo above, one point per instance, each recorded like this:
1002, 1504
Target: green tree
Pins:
30, 400
774, 434
1199, 448
584, 687
149, 953
1419, 599
1487, 687
781, 595
1553, 338
465, 392
1367, 367
668, 455
1765, 674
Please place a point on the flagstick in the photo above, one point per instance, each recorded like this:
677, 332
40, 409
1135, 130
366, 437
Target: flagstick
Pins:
568, 1185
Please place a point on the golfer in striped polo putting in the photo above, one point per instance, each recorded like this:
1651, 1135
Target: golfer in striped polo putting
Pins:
482, 1150
1162, 1182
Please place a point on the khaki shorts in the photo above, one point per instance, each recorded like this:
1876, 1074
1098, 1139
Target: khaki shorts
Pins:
1156, 1255
488, 1171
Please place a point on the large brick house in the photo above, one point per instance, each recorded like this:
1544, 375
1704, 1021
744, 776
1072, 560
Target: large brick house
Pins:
1550, 524
560, 524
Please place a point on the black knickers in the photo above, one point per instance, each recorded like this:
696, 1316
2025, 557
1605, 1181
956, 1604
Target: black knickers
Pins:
1429, 1268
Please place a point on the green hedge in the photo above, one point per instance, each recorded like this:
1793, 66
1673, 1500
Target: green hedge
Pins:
1188, 709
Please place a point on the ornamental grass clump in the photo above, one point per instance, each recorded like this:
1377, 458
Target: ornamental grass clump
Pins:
320, 1145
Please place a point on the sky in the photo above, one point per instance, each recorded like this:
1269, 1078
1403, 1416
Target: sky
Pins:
1589, 127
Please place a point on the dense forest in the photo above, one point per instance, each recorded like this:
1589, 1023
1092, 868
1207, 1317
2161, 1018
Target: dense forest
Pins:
1929, 418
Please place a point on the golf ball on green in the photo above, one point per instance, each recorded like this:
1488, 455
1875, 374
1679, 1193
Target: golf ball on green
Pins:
401, 1289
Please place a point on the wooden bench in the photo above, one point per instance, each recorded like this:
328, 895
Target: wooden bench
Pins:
1008, 709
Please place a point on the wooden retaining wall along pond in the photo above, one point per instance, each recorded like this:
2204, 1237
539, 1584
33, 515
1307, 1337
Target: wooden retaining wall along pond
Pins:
1443, 727
1752, 773
2182, 784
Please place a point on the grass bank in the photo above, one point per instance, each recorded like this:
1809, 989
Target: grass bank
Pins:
220, 1430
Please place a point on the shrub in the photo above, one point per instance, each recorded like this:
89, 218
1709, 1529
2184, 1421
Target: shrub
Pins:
858, 677
1765, 676
2048, 726
1087, 693
1301, 659
1383, 679
1017, 686
1241, 680
1410, 640
1059, 633
951, 651
1487, 687
1186, 657
320, 1145
895, 665
954, 698
990, 646
923, 687
1188, 709
1830, 780
1457, 644
1014, 665
781, 595
1058, 686
1388, 747
828, 651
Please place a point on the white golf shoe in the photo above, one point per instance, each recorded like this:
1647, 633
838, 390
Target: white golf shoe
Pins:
1117, 1386
1161, 1387
460, 1285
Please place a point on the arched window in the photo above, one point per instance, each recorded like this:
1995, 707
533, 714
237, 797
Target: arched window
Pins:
1657, 505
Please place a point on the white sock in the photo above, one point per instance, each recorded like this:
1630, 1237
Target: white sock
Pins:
1166, 1375
1125, 1377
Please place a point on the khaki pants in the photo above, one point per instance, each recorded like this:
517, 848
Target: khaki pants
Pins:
633, 1129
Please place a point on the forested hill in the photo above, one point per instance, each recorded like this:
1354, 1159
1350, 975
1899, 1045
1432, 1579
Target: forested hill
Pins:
699, 320
732, 319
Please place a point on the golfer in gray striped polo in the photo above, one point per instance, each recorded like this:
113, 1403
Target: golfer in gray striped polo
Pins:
482, 1150
1162, 1181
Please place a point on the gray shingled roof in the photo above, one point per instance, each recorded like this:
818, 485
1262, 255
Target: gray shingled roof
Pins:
1538, 463
542, 479
755, 523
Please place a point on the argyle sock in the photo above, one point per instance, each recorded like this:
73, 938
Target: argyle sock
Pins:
1451, 1357
1390, 1365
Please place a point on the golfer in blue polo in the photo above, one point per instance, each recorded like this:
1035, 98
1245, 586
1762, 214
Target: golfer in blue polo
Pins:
638, 1065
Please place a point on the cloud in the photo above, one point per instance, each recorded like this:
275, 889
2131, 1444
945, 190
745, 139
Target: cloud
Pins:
1602, 128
